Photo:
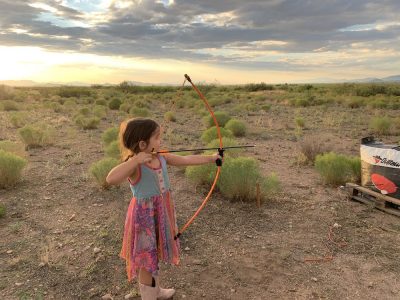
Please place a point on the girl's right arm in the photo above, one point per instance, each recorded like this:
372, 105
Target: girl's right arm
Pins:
126, 169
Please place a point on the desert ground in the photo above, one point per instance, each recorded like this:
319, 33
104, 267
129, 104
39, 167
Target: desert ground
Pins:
61, 234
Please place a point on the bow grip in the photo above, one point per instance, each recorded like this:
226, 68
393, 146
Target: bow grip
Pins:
218, 162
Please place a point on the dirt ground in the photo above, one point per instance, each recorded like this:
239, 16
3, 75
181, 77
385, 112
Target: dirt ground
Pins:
62, 234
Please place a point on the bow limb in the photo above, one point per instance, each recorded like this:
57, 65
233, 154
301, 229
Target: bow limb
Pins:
218, 162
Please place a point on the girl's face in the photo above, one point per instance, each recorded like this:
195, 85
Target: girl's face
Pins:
155, 141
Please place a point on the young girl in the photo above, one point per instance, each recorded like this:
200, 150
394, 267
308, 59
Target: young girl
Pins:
150, 225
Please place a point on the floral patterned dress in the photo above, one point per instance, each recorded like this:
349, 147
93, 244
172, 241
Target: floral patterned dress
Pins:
150, 224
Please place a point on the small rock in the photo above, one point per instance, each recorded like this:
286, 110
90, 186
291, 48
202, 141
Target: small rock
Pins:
129, 296
263, 247
233, 290
96, 250
19, 283
203, 295
42, 264
187, 249
314, 279
183, 296
107, 297
336, 225
10, 251
236, 239
71, 218
371, 285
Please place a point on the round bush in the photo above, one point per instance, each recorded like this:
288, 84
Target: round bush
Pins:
237, 127
87, 122
337, 169
222, 119
110, 135
112, 150
169, 116
114, 104
381, 125
35, 136
211, 134
100, 169
139, 112
11, 167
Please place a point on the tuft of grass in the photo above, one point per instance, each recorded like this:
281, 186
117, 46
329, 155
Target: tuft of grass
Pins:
222, 119
11, 167
337, 169
9, 105
112, 150
36, 135
211, 134
238, 128
2, 210
114, 104
87, 122
243, 187
381, 125
110, 135
139, 112
18, 119
100, 169
13, 147
300, 123
169, 116
310, 147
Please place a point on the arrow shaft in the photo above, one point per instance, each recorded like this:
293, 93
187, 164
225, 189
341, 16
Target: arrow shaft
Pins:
204, 149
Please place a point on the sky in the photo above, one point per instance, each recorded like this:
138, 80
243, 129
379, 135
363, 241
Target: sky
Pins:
214, 41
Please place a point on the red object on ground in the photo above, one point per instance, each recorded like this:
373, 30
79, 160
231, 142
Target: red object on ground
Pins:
383, 184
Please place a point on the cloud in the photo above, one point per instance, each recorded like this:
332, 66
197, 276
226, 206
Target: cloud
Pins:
274, 34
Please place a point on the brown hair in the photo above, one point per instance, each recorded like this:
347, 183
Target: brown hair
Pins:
133, 131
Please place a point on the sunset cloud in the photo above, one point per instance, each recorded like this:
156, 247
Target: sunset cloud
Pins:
298, 37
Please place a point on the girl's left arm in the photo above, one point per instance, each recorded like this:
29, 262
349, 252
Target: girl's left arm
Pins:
190, 160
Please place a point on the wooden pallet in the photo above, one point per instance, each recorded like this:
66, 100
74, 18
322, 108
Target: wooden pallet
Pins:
378, 200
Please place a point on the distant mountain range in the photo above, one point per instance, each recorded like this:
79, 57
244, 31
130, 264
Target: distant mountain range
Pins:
30, 83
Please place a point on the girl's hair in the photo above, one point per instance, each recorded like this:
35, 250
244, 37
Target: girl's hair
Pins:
133, 131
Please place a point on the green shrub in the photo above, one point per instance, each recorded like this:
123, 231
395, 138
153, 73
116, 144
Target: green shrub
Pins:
243, 187
253, 87
11, 167
18, 119
139, 112
36, 135
270, 185
110, 135
227, 142
300, 123
114, 104
125, 107
9, 105
202, 174
101, 102
67, 92
100, 169
310, 147
13, 147
238, 128
222, 119
2, 210
266, 107
100, 111
169, 116
84, 111
211, 134
337, 169
381, 125
112, 150
87, 122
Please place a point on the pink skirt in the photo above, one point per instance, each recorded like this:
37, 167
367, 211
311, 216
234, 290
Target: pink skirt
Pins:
150, 228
